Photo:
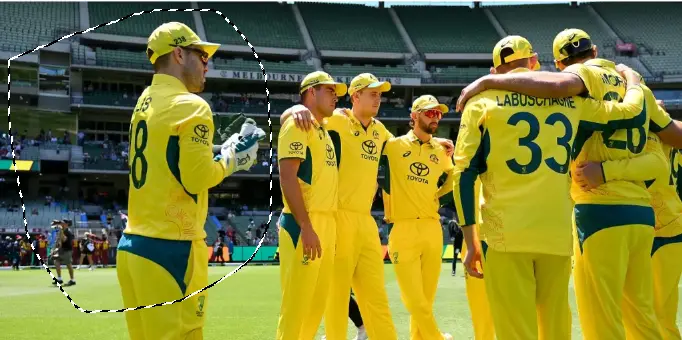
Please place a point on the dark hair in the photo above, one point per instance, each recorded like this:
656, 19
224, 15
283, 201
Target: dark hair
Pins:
578, 57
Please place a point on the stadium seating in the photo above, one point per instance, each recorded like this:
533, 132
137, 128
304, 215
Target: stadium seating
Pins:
251, 65
653, 30
455, 74
136, 26
28, 24
351, 27
265, 24
379, 71
108, 98
122, 58
448, 29
541, 23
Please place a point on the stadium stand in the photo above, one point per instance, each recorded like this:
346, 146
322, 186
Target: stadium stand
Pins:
525, 20
370, 29
136, 26
299, 67
379, 71
458, 74
250, 17
440, 34
28, 24
652, 31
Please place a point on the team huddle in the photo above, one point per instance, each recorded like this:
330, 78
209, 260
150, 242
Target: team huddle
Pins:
552, 174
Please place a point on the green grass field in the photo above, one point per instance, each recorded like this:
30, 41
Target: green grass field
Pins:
244, 306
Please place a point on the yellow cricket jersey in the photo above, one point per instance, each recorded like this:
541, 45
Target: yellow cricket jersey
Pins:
358, 151
417, 178
171, 162
318, 174
604, 83
521, 148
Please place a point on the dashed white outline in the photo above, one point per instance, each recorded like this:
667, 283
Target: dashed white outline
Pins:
23, 207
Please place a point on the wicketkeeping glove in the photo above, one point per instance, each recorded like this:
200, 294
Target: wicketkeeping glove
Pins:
240, 151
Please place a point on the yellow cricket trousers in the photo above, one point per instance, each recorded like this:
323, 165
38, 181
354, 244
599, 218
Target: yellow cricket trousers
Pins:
151, 271
481, 316
529, 294
305, 283
416, 248
613, 274
359, 263
667, 264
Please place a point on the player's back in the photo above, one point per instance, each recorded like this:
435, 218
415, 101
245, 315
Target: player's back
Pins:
526, 148
160, 206
604, 83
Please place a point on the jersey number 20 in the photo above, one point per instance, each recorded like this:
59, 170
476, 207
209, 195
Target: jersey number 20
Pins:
535, 150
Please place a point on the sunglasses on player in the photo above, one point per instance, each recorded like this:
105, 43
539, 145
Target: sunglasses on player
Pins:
202, 54
433, 114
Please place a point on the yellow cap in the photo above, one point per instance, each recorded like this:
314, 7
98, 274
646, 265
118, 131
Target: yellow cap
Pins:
428, 102
322, 78
174, 34
368, 80
519, 45
570, 42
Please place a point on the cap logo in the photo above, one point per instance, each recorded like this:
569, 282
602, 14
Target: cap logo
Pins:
179, 40
571, 37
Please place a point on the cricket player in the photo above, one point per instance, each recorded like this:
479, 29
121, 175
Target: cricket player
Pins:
413, 165
521, 148
359, 139
615, 222
307, 226
162, 255
667, 245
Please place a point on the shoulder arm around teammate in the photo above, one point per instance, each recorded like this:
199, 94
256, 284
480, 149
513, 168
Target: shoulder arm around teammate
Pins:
468, 160
649, 165
667, 129
597, 115
198, 170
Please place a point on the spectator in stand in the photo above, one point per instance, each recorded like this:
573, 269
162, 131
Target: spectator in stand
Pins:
249, 234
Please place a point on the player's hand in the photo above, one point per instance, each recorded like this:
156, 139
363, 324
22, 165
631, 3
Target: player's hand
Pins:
447, 144
302, 117
589, 175
311, 244
472, 261
631, 77
471, 90
240, 151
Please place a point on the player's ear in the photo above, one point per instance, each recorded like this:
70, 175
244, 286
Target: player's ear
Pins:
558, 65
533, 61
595, 51
493, 70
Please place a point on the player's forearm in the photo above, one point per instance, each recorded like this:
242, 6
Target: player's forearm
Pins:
538, 84
672, 134
463, 193
470, 236
294, 197
642, 168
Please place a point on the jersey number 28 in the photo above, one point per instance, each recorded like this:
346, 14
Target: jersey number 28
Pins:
139, 143
535, 150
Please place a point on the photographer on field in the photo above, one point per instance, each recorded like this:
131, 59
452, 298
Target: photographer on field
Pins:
63, 250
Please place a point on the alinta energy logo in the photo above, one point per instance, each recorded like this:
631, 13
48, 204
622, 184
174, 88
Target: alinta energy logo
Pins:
199, 132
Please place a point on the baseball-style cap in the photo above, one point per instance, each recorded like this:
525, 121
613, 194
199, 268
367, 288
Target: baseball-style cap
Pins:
322, 78
428, 102
521, 47
368, 80
570, 42
174, 34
